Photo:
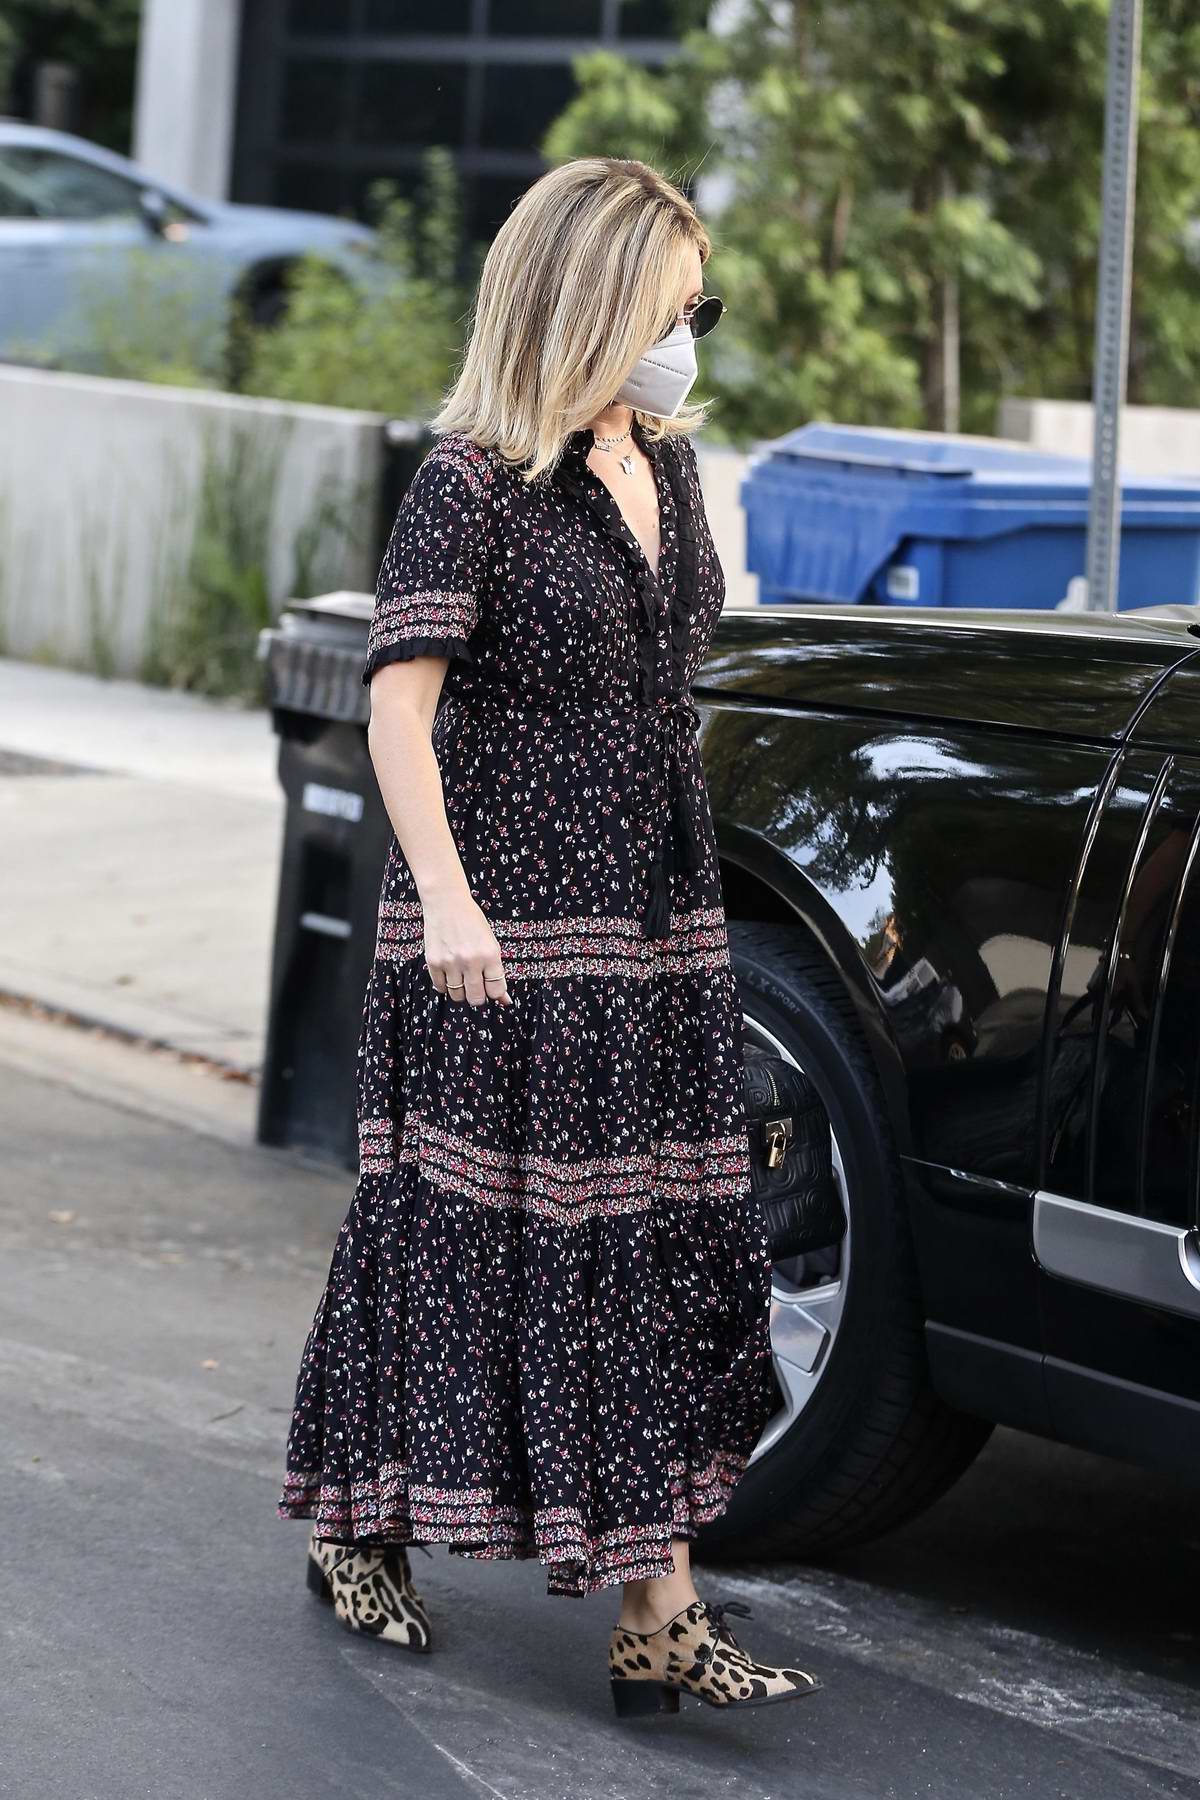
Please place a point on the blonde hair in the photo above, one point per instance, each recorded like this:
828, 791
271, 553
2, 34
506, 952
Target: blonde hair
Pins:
583, 276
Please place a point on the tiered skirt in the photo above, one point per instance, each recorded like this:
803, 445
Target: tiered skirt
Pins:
545, 1330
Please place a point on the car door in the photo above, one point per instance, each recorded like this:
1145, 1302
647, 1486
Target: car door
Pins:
1117, 1215
24, 247
68, 229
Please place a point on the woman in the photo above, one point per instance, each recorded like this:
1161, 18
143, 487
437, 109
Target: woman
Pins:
545, 1330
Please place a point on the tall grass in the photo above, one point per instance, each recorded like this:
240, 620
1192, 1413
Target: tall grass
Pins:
103, 562
218, 594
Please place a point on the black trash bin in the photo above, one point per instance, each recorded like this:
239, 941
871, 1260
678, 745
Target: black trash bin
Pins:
335, 843
405, 444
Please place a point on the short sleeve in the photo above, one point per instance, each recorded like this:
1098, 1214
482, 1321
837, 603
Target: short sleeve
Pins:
427, 597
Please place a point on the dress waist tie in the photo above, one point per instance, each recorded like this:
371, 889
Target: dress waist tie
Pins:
674, 721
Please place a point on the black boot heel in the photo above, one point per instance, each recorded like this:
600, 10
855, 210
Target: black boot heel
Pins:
318, 1581
633, 1699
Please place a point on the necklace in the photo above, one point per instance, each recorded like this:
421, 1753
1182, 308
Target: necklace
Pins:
606, 444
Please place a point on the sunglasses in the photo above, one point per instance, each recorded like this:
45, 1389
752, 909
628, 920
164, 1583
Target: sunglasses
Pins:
702, 317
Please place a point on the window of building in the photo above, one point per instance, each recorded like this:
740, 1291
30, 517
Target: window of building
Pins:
490, 200
646, 18
411, 103
519, 103
409, 17
315, 106
313, 187
317, 18
333, 92
545, 18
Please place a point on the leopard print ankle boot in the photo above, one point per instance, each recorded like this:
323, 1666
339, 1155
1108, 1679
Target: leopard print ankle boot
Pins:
371, 1588
695, 1653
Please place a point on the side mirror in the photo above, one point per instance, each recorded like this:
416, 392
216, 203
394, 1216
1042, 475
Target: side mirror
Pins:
154, 210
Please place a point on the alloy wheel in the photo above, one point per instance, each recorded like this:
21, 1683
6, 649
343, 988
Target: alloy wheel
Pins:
808, 1293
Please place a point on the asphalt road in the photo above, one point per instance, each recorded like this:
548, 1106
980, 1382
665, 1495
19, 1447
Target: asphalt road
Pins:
1037, 1634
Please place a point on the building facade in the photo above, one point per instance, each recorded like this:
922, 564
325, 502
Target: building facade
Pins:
307, 102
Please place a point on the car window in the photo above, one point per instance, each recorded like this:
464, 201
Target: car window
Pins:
63, 187
16, 202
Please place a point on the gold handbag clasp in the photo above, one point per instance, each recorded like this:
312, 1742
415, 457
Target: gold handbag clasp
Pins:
779, 1136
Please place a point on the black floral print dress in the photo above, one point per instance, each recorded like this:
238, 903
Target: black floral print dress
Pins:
545, 1331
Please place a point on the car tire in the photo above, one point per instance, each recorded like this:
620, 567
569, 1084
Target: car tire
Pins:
260, 304
872, 1444
268, 304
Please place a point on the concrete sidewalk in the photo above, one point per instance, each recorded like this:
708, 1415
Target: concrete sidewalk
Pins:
142, 832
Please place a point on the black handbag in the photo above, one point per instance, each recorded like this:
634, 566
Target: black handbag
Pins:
791, 1157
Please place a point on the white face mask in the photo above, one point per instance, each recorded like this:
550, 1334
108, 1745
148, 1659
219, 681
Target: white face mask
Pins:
662, 376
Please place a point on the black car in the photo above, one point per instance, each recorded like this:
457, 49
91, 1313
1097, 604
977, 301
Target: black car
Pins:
959, 858
959, 861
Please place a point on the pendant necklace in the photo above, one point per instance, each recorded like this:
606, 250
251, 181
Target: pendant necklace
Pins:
605, 444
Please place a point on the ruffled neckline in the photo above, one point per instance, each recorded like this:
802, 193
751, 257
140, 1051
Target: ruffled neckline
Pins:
582, 480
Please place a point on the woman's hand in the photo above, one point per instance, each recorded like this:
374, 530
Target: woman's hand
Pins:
461, 953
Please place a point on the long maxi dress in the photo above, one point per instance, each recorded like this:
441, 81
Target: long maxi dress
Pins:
545, 1331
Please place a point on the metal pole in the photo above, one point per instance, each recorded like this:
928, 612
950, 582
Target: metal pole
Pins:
1112, 300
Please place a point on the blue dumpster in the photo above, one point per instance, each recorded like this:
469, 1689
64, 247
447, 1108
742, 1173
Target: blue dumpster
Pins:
840, 512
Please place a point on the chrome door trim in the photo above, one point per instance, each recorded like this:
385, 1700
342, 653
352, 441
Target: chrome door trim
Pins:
1120, 1253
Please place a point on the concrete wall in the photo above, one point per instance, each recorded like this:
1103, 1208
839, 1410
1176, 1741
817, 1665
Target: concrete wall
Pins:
187, 92
99, 482
1155, 440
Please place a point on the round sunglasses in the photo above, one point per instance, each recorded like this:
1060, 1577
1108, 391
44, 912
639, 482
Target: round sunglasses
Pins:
702, 317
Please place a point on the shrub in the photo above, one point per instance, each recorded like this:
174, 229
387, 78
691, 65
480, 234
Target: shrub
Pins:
392, 349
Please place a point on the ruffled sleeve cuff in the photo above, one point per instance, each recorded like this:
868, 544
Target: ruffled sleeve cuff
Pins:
432, 624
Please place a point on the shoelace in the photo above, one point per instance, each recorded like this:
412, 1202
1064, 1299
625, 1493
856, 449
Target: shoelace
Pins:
380, 1550
724, 1634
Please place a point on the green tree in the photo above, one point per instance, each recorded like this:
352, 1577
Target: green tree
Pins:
905, 200
1050, 105
395, 349
744, 109
96, 37
923, 73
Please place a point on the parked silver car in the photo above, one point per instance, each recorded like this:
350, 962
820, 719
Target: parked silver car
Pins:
72, 216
